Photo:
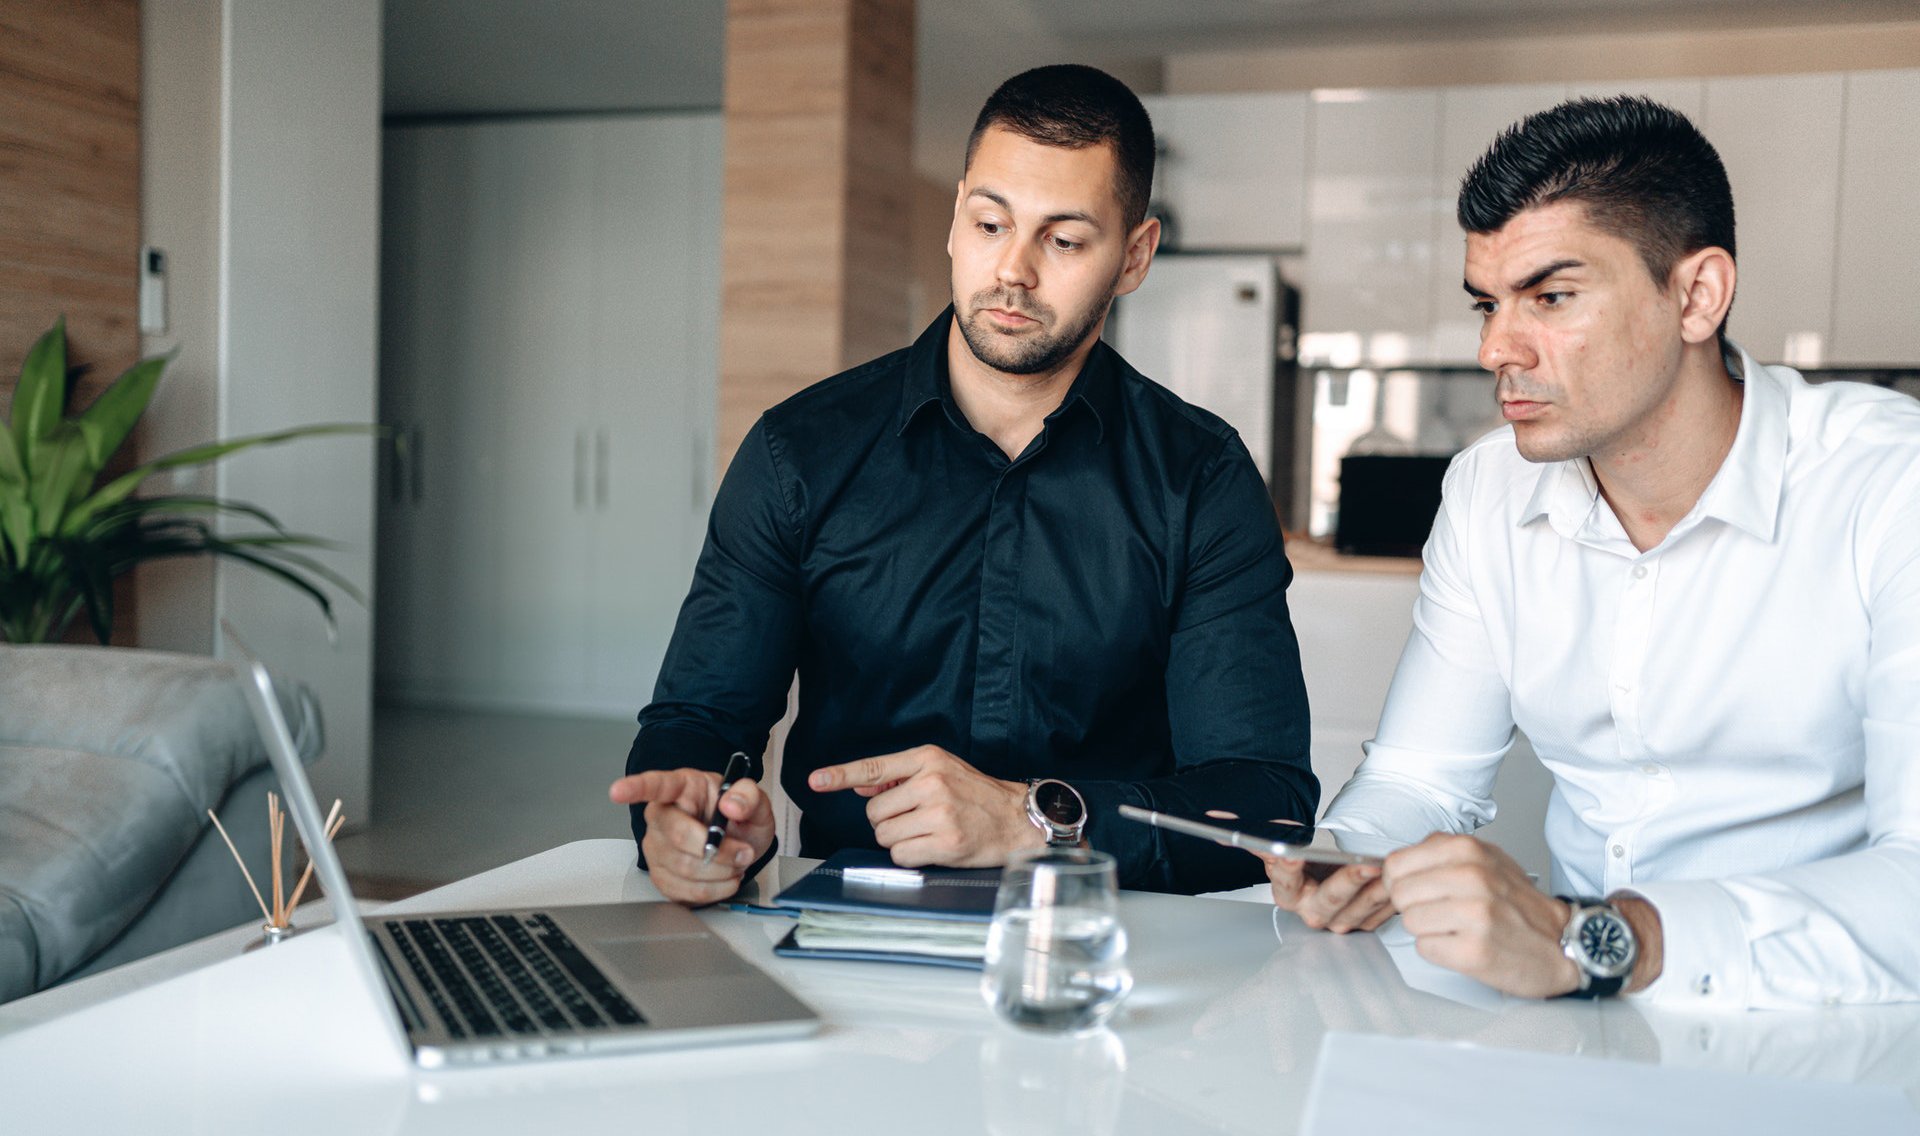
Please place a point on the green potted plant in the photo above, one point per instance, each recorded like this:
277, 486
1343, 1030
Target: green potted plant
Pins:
65, 535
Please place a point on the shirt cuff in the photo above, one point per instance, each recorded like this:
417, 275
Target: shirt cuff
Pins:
1706, 962
1132, 846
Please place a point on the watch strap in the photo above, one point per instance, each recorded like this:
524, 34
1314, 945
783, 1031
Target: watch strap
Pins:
1591, 985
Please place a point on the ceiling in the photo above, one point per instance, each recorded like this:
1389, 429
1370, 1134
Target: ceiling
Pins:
455, 57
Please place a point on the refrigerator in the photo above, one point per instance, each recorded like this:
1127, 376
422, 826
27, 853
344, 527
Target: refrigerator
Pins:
1219, 330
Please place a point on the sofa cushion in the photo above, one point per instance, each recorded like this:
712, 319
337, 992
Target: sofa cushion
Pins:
109, 761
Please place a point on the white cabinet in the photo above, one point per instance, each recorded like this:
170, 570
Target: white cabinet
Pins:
1779, 137
1470, 119
1876, 300
1370, 204
1232, 171
551, 304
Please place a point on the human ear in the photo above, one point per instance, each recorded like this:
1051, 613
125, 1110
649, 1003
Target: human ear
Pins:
959, 199
1141, 244
1706, 282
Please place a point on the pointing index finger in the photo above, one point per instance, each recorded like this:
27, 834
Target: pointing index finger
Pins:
865, 772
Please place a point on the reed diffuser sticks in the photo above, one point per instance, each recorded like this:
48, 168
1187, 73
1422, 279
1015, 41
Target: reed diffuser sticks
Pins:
280, 916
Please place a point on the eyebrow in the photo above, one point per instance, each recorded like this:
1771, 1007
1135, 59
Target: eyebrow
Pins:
1532, 280
1049, 219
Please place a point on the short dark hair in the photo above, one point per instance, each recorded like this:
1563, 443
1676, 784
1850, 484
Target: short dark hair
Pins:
1643, 171
1075, 106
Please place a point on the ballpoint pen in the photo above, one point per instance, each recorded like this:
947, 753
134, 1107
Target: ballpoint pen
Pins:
717, 827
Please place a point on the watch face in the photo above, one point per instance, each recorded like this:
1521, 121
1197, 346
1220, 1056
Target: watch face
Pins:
1059, 803
1603, 939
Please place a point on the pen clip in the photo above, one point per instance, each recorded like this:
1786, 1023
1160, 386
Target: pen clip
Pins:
738, 766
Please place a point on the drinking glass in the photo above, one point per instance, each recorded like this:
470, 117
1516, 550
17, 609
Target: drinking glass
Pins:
1056, 952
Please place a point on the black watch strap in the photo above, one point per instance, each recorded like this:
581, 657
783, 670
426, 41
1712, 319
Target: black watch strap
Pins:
1597, 987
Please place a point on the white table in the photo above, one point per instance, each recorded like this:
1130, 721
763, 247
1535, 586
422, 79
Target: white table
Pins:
1222, 1034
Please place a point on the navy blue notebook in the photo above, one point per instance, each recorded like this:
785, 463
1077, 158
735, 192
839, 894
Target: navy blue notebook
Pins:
869, 883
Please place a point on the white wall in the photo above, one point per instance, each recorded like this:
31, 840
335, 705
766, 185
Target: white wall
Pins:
180, 69
260, 124
300, 200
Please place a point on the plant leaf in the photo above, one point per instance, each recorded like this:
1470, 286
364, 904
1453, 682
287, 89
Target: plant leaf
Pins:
121, 487
95, 585
281, 552
137, 507
61, 474
12, 471
42, 393
107, 422
289, 575
16, 525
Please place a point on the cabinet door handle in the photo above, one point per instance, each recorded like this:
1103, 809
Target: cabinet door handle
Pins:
419, 464
579, 469
601, 443
397, 449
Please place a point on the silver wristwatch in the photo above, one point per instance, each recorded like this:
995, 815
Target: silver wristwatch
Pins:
1057, 809
1601, 943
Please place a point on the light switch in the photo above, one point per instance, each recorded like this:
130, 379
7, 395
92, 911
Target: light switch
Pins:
153, 291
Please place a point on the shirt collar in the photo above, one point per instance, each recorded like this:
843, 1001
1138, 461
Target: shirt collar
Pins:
926, 382
1745, 492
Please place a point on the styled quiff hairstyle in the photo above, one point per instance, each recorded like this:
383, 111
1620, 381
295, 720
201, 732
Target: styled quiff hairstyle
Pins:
1074, 106
1643, 172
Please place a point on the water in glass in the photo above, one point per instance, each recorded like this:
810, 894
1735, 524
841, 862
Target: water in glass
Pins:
1056, 952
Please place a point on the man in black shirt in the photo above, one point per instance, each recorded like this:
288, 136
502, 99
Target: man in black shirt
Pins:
995, 556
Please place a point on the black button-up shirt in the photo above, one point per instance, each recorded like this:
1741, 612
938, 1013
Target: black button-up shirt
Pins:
1109, 608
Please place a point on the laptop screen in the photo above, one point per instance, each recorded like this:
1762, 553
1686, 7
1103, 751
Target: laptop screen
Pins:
298, 793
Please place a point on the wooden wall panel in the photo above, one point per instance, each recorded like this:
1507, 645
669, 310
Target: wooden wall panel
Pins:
70, 192
815, 257
69, 181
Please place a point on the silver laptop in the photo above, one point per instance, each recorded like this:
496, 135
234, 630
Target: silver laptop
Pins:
466, 987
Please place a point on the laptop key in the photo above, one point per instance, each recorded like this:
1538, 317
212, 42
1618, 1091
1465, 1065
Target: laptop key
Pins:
589, 976
493, 992
557, 980
403, 943
451, 978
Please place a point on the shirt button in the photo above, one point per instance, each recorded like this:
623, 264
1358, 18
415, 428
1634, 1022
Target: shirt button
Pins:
1619, 852
1650, 770
1639, 571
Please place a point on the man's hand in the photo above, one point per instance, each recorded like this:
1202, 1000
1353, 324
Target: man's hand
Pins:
1472, 910
1352, 898
929, 807
679, 804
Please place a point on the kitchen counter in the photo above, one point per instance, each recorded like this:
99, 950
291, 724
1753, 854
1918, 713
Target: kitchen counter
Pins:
1309, 555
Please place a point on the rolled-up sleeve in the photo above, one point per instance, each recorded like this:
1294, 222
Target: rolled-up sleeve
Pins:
1236, 700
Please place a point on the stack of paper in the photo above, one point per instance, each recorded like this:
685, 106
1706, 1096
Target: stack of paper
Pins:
845, 931
858, 905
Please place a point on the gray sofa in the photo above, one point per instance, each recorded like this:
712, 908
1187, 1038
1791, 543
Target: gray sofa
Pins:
109, 760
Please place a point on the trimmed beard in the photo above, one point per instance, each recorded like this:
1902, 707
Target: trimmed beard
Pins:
1030, 355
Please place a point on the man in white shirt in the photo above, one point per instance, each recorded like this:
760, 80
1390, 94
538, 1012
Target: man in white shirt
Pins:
1693, 580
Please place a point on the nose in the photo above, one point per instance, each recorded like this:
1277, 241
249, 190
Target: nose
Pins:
1502, 344
1016, 266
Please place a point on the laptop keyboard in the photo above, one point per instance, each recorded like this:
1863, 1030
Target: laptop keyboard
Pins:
487, 976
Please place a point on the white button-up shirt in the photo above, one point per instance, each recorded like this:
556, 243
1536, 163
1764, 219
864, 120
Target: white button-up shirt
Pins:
1732, 718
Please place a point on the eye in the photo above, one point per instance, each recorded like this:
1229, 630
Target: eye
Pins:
1065, 245
990, 228
1554, 299
1484, 307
